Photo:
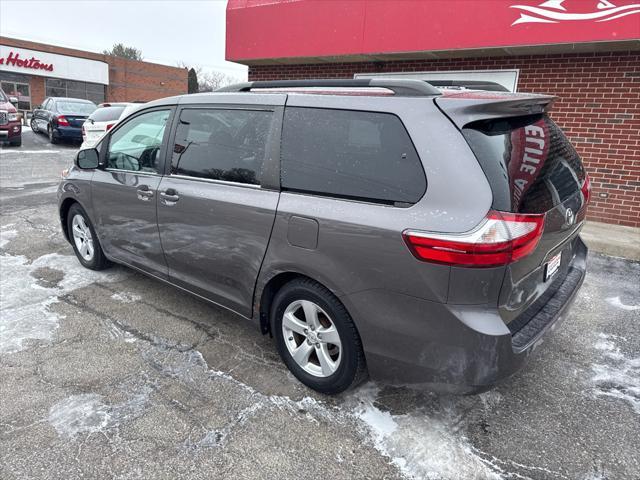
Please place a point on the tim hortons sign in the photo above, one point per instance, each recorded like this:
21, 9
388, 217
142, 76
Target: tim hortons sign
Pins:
13, 59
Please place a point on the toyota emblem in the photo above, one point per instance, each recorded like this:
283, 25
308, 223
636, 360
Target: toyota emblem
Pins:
569, 217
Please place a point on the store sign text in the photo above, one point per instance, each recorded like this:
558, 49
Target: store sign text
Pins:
14, 59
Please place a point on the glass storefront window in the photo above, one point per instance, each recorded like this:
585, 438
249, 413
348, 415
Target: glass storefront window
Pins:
68, 88
19, 90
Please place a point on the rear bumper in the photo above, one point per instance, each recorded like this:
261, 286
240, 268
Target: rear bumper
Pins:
70, 133
453, 348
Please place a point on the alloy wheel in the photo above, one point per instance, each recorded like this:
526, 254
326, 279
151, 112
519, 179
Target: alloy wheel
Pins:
82, 237
312, 338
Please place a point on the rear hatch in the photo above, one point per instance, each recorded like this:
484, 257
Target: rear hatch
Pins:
532, 169
93, 130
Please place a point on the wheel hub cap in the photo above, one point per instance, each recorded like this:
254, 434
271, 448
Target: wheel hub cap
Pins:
312, 338
82, 237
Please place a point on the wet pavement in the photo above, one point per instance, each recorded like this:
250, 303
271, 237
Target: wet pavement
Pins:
115, 375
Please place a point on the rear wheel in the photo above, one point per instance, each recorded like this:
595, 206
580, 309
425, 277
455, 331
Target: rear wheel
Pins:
84, 239
52, 136
316, 337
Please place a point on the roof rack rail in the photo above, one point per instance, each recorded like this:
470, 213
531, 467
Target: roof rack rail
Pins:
469, 84
403, 87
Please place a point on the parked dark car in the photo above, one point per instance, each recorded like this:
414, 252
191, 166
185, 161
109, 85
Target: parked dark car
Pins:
421, 236
61, 118
10, 126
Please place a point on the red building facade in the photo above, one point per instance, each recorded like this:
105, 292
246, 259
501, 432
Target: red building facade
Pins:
585, 53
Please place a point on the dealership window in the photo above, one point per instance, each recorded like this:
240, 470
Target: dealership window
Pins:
349, 154
55, 87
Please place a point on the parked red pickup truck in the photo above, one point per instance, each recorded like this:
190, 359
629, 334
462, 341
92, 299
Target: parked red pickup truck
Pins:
10, 126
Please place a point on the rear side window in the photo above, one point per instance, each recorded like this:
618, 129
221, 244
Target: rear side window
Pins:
107, 114
349, 154
221, 144
530, 164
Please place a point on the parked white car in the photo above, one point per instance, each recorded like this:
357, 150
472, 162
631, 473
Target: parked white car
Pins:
103, 119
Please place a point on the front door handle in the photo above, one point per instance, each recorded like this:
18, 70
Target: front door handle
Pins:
144, 193
169, 196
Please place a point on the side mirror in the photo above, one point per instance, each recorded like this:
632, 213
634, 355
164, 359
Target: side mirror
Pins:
37, 107
88, 159
13, 100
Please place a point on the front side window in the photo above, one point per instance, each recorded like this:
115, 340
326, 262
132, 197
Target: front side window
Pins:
220, 144
350, 154
135, 146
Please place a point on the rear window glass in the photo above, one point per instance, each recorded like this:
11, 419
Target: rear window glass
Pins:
106, 114
350, 154
77, 108
530, 164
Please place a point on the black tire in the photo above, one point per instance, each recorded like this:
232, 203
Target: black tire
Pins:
34, 126
52, 136
98, 260
16, 143
352, 368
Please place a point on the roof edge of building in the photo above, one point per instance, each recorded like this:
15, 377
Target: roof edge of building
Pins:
507, 51
71, 52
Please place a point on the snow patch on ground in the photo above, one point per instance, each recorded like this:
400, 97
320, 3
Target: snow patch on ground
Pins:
616, 302
25, 309
617, 376
20, 151
6, 236
126, 297
91, 413
421, 445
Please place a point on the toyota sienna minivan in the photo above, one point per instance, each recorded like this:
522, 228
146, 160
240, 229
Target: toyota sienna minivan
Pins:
383, 228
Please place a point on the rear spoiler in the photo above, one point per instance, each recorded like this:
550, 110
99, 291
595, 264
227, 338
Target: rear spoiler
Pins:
467, 107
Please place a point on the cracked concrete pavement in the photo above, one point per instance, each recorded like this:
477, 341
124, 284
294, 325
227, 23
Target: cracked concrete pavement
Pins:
115, 375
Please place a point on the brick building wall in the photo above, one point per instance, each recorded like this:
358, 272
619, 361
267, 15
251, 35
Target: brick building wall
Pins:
129, 80
598, 107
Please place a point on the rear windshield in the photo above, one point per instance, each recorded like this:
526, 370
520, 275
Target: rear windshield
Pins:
77, 108
530, 164
106, 114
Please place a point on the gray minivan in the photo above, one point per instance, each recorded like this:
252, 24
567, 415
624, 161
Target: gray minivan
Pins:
377, 227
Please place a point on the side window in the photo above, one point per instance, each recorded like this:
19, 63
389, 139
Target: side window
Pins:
135, 146
350, 154
221, 144
46, 104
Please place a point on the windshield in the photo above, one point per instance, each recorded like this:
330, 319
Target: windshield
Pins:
107, 114
3, 97
78, 108
530, 164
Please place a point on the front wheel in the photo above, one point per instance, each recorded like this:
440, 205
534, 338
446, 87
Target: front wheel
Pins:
16, 142
316, 337
84, 239
34, 126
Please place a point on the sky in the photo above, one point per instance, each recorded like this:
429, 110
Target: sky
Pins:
167, 31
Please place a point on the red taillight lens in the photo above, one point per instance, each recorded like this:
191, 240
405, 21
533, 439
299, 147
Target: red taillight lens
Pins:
62, 121
110, 126
586, 189
502, 238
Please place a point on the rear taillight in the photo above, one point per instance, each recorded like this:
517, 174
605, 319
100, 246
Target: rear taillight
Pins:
586, 189
501, 238
62, 121
110, 126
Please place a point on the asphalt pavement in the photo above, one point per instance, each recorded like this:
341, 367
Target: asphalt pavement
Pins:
115, 375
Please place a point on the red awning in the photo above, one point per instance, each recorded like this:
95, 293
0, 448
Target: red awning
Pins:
261, 30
